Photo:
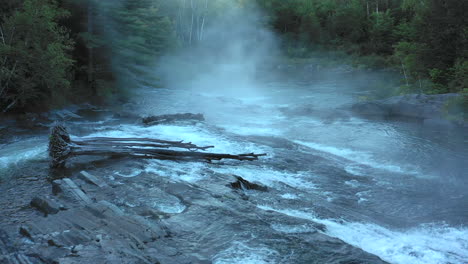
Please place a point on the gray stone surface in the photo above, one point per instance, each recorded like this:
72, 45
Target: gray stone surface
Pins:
151, 219
92, 179
45, 205
76, 191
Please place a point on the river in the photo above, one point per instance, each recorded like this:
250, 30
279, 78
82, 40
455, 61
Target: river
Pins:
395, 189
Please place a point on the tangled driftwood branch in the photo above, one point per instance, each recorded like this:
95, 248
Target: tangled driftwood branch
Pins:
61, 147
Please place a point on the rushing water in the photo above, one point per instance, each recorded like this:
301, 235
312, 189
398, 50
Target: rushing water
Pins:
393, 189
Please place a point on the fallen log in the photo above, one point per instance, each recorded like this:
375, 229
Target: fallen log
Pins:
162, 119
61, 147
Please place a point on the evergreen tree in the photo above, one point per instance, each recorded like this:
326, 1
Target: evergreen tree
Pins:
34, 56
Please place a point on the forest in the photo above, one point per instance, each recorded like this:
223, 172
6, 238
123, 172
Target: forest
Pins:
53, 53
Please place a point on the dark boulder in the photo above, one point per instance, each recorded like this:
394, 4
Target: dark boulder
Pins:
243, 184
45, 206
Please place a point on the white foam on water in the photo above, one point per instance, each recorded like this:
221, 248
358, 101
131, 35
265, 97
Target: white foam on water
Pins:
328, 195
198, 135
426, 244
352, 183
92, 123
164, 132
355, 170
269, 176
241, 253
359, 157
21, 151
129, 174
293, 229
252, 130
289, 196
264, 122
363, 196
423, 245
177, 171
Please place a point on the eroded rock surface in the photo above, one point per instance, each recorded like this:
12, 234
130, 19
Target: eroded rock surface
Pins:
151, 219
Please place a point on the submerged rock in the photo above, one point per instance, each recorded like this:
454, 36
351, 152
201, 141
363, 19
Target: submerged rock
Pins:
243, 184
163, 119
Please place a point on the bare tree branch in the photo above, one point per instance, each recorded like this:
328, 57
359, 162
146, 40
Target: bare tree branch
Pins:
10, 105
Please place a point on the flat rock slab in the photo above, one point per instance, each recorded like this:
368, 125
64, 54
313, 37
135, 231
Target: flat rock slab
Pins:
8, 253
92, 179
96, 232
76, 191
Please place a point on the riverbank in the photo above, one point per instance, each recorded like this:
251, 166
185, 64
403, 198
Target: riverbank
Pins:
380, 91
426, 109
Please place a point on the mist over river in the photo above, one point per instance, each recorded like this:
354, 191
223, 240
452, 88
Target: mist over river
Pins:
392, 188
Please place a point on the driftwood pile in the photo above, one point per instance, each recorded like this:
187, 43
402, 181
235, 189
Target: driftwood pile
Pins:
61, 147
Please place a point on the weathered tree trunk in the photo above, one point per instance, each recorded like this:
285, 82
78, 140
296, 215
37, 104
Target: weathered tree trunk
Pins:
367, 5
61, 147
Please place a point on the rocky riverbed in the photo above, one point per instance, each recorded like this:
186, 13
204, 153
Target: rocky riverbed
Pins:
334, 188
91, 216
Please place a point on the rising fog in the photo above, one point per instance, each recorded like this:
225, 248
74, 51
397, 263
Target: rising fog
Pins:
221, 47
234, 49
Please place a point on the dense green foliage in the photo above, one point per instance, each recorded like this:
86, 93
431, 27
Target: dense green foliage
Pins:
57, 51
137, 35
426, 39
34, 55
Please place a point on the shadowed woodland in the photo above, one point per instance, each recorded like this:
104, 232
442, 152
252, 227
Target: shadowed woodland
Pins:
58, 52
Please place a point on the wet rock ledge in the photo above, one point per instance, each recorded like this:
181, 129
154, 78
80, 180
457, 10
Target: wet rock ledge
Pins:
86, 218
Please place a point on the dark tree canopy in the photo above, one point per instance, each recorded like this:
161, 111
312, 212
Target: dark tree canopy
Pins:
56, 52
